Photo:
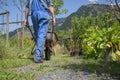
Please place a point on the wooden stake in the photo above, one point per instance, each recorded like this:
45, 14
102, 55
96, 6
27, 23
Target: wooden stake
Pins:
7, 29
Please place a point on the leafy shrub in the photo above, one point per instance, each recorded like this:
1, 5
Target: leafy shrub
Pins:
92, 34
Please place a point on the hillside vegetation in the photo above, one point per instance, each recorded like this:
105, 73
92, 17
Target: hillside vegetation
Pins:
86, 10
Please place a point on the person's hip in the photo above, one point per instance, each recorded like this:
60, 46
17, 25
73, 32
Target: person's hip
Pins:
40, 14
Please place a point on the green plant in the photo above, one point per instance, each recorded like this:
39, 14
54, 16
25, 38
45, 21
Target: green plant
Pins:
92, 34
16, 76
3, 49
63, 37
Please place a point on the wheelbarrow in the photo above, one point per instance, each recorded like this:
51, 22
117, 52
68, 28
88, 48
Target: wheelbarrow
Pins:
51, 40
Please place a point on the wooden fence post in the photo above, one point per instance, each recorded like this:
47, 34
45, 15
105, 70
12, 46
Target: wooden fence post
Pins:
7, 28
18, 44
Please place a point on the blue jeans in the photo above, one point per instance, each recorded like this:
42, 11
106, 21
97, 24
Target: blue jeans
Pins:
40, 24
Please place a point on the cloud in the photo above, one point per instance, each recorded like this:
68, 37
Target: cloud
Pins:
93, 1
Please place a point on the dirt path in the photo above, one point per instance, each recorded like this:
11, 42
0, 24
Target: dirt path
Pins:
61, 67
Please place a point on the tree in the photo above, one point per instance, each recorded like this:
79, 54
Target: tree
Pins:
115, 7
58, 5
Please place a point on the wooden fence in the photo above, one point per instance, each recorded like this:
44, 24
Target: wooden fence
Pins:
7, 26
20, 37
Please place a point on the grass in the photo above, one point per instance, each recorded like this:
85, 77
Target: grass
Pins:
59, 62
11, 75
13, 63
11, 57
53, 65
102, 67
94, 67
7, 69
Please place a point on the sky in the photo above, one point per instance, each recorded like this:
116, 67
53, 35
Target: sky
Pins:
71, 5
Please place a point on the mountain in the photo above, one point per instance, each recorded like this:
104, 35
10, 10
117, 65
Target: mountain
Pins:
12, 34
59, 22
86, 10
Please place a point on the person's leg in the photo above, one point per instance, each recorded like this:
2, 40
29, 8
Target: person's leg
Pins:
40, 39
37, 57
35, 23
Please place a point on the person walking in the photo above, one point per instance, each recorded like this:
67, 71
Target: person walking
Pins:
41, 12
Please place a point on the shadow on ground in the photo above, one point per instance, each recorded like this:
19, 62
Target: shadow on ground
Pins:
99, 67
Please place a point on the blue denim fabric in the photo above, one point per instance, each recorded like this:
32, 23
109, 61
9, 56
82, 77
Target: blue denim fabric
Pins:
45, 4
40, 18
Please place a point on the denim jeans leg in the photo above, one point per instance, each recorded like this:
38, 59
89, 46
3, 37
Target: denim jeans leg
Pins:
41, 36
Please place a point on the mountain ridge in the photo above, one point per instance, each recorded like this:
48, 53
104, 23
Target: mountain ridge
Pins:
86, 10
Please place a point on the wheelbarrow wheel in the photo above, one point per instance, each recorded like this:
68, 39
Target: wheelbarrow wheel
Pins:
47, 53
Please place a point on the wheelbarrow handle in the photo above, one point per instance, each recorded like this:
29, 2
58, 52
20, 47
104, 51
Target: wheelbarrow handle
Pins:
33, 48
31, 32
52, 29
